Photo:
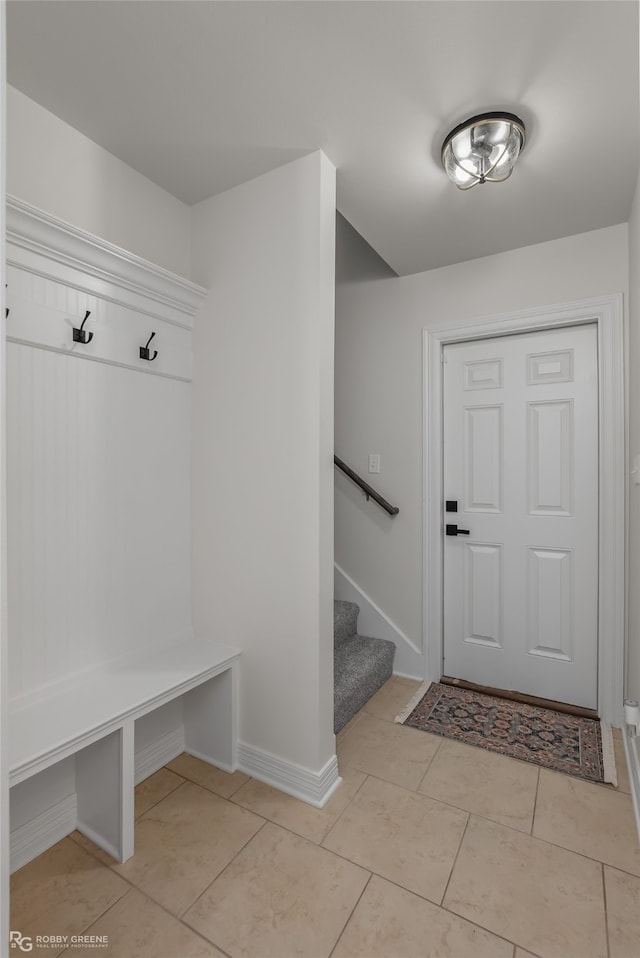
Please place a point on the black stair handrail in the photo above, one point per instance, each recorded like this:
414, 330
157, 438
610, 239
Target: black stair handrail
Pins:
368, 490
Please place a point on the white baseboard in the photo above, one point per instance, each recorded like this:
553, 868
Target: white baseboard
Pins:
632, 752
315, 788
408, 661
36, 836
152, 757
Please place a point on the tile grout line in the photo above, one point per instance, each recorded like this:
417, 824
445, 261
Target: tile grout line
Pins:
535, 804
94, 920
179, 917
457, 808
288, 828
330, 827
368, 868
431, 761
606, 912
351, 914
290, 831
162, 907
441, 904
430, 901
353, 722
588, 858
145, 894
440, 801
344, 810
194, 931
265, 821
208, 788
455, 859
112, 869
170, 792
391, 881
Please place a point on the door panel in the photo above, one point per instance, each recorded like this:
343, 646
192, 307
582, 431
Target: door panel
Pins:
550, 457
483, 594
521, 458
483, 461
550, 603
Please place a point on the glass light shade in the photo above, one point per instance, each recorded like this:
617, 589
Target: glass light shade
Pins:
483, 149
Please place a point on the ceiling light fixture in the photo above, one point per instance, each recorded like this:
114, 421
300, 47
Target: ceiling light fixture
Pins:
483, 149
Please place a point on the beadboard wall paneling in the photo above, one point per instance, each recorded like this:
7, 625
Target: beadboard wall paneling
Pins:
43, 313
31, 798
98, 450
99, 517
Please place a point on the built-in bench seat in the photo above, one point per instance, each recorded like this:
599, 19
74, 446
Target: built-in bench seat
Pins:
94, 720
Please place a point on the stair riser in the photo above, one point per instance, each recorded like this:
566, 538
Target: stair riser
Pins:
345, 620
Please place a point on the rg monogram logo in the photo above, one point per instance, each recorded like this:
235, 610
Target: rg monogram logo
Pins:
16, 940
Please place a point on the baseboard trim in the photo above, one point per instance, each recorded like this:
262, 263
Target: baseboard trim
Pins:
632, 751
36, 836
152, 757
315, 788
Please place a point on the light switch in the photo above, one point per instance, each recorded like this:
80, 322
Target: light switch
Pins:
635, 472
374, 462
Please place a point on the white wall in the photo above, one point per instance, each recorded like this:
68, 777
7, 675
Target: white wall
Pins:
633, 627
53, 167
263, 450
379, 386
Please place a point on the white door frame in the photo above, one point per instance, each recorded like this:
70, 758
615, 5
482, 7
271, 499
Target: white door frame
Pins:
607, 312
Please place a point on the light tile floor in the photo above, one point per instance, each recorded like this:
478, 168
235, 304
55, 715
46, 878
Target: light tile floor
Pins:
429, 849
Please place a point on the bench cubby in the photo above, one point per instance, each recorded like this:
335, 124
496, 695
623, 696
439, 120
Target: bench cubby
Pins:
93, 721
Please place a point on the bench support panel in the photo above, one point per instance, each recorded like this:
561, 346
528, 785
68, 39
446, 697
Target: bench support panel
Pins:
104, 786
210, 720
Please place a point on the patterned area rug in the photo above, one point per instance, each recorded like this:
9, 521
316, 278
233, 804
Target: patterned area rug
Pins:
565, 743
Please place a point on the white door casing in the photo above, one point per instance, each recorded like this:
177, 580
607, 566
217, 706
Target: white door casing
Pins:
520, 442
607, 313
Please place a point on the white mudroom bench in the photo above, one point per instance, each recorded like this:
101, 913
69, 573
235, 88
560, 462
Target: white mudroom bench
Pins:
93, 719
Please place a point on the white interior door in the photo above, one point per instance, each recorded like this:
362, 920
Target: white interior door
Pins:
521, 464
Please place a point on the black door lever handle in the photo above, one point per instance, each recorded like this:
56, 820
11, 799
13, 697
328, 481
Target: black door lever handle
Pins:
453, 530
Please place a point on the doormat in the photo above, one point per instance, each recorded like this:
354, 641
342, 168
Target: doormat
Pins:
565, 743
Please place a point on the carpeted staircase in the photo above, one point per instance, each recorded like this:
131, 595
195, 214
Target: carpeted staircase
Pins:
361, 665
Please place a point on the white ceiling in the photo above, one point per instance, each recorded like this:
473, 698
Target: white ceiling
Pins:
200, 96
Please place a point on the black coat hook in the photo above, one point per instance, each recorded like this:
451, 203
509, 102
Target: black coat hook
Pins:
6, 309
80, 335
145, 352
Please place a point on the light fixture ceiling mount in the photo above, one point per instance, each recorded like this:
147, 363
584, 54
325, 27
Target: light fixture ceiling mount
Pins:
483, 149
